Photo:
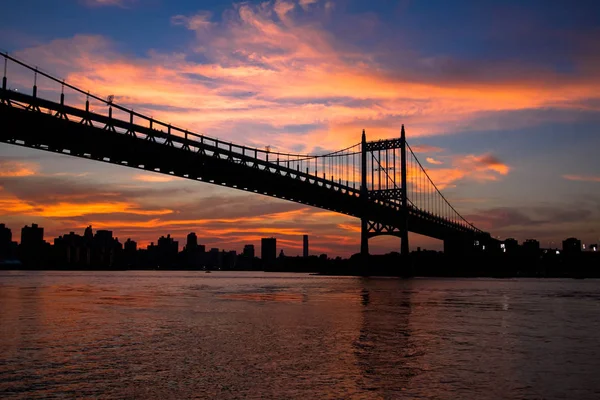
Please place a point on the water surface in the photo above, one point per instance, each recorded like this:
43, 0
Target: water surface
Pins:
227, 335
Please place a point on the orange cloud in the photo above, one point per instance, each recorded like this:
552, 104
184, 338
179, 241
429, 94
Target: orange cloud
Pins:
583, 178
484, 167
10, 205
433, 161
153, 178
10, 169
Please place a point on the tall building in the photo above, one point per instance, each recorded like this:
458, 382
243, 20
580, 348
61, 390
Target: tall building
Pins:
531, 247
192, 241
248, 251
130, 253
571, 245
167, 250
5, 241
103, 247
32, 236
305, 246
268, 250
130, 246
88, 234
32, 250
5, 235
70, 251
510, 245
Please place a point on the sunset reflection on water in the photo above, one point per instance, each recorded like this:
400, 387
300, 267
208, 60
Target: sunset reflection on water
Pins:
269, 335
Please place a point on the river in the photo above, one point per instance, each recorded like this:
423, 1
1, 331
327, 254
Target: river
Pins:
246, 335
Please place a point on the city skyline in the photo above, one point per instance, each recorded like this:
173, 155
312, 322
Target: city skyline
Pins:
194, 241
509, 137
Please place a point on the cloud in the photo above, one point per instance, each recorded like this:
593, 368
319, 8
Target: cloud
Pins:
539, 217
478, 168
197, 22
101, 3
305, 4
425, 148
154, 178
582, 178
431, 160
10, 168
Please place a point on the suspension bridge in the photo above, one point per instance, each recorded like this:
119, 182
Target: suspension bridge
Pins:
380, 182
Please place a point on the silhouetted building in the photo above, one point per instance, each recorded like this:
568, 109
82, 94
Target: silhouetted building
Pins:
531, 247
229, 259
571, 246
106, 251
33, 251
192, 241
194, 253
248, 251
214, 258
130, 258
88, 234
511, 245
130, 246
305, 246
5, 242
70, 251
167, 251
268, 250
32, 236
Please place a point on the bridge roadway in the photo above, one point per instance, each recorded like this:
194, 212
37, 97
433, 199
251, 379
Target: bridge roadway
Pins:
68, 130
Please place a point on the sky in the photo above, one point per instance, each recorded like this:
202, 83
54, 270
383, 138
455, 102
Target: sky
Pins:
501, 97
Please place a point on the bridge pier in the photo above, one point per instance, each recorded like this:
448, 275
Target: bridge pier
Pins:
364, 238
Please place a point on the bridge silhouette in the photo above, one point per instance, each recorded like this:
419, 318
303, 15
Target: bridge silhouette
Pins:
380, 182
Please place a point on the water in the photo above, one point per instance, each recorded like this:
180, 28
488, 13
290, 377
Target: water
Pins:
178, 335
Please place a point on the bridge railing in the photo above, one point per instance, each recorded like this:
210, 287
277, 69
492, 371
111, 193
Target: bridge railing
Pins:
331, 169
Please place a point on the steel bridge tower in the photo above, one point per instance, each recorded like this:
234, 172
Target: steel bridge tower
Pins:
383, 162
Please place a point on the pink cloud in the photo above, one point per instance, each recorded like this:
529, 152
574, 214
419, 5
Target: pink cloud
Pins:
100, 3
433, 161
582, 178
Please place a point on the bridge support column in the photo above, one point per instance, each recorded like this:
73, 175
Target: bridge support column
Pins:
404, 250
364, 239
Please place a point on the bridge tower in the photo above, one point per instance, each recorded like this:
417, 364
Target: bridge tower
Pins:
380, 162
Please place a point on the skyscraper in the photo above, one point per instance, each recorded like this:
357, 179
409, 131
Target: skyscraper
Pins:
5, 235
305, 246
268, 250
192, 241
32, 236
571, 245
248, 251
5, 241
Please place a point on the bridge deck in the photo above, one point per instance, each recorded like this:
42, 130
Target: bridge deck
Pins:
80, 133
